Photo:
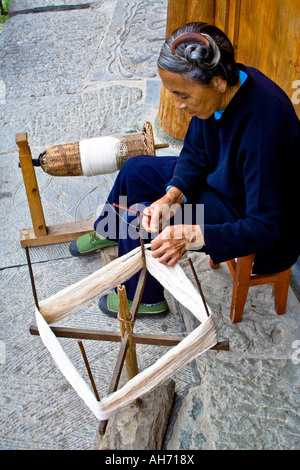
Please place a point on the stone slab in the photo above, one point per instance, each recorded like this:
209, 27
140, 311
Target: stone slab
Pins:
72, 118
241, 404
47, 60
45, 90
153, 92
25, 6
50, 53
133, 41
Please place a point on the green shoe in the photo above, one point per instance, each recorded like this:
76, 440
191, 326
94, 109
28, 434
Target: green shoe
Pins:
109, 304
88, 243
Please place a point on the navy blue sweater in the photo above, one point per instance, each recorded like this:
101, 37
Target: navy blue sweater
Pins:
250, 156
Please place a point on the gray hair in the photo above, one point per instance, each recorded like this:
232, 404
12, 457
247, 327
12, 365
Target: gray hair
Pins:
200, 60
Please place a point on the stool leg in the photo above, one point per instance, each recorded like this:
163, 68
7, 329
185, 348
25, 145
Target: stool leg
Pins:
240, 289
281, 288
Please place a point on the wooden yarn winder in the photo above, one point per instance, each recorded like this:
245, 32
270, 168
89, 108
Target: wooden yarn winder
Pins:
41, 234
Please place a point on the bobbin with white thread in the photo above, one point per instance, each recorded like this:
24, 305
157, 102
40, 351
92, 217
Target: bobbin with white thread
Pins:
98, 155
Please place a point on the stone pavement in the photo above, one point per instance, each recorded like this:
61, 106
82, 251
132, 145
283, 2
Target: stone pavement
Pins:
72, 69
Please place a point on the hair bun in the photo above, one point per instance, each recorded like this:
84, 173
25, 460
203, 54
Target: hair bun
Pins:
197, 48
197, 52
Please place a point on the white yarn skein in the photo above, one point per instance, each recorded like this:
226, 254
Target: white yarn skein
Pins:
70, 299
98, 155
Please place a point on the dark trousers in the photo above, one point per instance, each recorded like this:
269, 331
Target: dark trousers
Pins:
142, 180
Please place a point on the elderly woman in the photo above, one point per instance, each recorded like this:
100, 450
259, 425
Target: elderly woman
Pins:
239, 161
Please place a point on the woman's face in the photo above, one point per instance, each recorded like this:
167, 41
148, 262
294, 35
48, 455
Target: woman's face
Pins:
195, 99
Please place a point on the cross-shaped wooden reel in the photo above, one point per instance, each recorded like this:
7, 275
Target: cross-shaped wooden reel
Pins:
185, 348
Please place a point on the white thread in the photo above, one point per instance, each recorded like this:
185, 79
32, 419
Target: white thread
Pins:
99, 155
70, 299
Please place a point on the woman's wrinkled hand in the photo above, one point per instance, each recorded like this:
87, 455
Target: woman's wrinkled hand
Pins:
156, 216
173, 242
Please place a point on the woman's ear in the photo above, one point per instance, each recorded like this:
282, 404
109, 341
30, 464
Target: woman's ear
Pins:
219, 84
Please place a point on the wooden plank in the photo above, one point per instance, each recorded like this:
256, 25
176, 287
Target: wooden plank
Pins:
108, 254
115, 336
58, 233
259, 279
31, 186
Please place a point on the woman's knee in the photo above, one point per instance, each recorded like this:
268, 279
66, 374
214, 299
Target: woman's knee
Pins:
143, 178
134, 164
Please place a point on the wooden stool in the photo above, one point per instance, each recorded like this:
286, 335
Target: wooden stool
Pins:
243, 278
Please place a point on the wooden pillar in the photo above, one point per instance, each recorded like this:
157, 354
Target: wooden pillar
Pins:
173, 121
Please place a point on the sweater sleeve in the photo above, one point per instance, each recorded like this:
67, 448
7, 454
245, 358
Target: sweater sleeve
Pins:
192, 164
268, 152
